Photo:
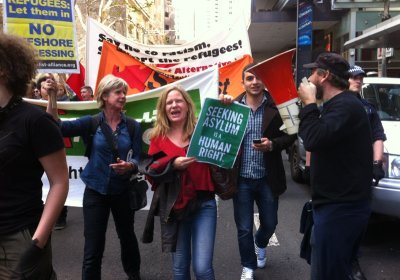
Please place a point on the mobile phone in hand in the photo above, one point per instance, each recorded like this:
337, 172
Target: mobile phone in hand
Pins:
256, 141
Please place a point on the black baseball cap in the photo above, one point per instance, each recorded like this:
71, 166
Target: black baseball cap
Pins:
333, 62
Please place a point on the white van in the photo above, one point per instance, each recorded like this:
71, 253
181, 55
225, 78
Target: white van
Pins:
384, 94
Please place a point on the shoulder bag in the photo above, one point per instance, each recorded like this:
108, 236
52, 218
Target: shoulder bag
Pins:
225, 181
306, 225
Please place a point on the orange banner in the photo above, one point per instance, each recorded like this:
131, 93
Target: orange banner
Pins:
141, 77
230, 76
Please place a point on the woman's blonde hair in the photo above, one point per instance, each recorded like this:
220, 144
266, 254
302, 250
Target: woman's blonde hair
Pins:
162, 123
106, 85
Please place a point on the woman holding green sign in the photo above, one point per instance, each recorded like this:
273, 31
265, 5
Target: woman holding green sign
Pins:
184, 190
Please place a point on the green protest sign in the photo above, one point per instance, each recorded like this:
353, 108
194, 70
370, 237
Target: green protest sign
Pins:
219, 133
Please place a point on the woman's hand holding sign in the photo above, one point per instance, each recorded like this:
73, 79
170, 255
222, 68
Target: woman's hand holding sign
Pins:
181, 163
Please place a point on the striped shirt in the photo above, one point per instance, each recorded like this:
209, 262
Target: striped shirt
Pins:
252, 165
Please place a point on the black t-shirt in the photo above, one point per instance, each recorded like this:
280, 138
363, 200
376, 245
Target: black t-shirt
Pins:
27, 133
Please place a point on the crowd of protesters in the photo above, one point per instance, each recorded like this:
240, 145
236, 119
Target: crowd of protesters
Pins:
185, 196
64, 91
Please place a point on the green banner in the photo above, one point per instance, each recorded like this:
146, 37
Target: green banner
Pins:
219, 133
140, 106
142, 110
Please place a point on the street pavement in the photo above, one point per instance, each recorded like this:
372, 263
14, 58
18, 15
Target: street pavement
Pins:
380, 253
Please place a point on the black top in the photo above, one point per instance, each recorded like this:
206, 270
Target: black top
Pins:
339, 139
27, 133
377, 130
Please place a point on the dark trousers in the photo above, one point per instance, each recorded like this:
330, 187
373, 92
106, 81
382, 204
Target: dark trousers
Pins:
96, 211
336, 237
13, 247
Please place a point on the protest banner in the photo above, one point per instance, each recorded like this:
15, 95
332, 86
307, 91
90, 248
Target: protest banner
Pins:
217, 49
141, 77
139, 106
230, 76
50, 27
276, 74
219, 133
138, 76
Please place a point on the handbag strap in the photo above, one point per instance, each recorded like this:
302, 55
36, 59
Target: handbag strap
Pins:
109, 139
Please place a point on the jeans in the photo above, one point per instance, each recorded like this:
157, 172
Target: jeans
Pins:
96, 211
336, 237
13, 246
196, 237
250, 190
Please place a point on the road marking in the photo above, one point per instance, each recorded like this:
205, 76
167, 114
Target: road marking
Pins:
273, 241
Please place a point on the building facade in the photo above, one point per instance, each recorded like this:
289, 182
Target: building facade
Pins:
273, 29
194, 19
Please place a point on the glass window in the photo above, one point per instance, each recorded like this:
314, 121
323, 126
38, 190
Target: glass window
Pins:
385, 98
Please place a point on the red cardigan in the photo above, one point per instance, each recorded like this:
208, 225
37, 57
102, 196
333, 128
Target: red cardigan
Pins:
195, 178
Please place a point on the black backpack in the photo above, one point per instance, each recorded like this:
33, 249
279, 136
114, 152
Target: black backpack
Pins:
95, 124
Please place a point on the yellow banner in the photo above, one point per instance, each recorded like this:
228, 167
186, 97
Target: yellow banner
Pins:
49, 26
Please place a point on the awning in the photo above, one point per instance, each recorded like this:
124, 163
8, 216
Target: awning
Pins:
383, 35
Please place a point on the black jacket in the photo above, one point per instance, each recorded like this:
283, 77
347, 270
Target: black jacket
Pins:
271, 124
340, 142
164, 197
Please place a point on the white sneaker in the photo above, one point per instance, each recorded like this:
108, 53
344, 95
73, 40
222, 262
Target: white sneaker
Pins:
261, 256
247, 274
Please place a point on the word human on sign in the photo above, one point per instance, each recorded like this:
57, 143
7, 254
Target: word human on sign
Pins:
213, 149
219, 133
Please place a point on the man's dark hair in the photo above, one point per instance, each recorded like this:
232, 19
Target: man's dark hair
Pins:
89, 88
335, 80
339, 82
247, 67
17, 63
